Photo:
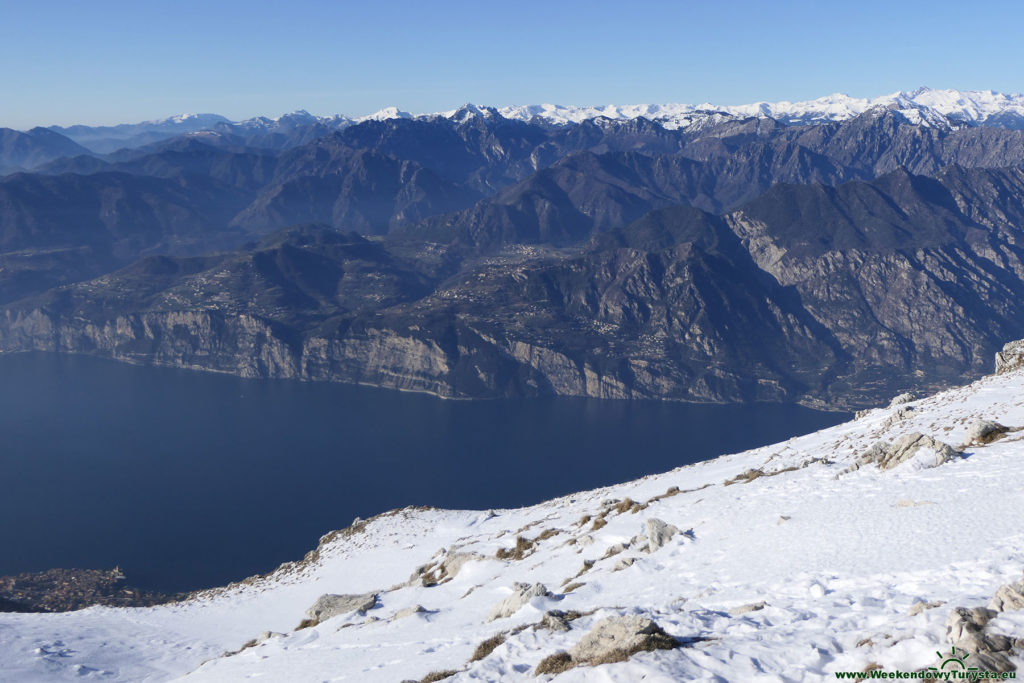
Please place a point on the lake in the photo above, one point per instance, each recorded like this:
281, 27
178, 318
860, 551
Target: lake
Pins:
188, 480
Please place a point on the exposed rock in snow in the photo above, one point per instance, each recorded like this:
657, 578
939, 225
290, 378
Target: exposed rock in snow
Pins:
983, 432
331, 605
616, 639
901, 399
747, 609
522, 594
659, 533
1009, 597
1011, 357
446, 569
920, 606
925, 451
408, 612
965, 630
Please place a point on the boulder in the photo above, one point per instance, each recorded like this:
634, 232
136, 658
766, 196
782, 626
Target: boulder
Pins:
1011, 357
331, 605
554, 620
983, 432
616, 639
522, 593
928, 452
659, 533
901, 399
746, 609
965, 630
408, 612
1008, 597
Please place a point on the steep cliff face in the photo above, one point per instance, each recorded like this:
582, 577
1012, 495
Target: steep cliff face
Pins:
684, 315
912, 287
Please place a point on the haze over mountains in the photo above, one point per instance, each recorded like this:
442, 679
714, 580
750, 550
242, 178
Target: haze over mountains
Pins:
828, 252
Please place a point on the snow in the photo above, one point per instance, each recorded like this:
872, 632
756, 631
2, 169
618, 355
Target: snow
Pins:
838, 557
925, 106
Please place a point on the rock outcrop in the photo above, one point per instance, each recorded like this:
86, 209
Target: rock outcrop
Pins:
522, 594
614, 639
659, 533
924, 450
1011, 357
983, 432
965, 630
1008, 597
332, 605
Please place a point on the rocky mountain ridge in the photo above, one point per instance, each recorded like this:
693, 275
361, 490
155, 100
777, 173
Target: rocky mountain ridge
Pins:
477, 256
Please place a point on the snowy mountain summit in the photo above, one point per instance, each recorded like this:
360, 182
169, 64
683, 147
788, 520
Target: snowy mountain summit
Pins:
891, 543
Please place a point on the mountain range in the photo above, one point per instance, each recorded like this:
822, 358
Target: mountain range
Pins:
828, 252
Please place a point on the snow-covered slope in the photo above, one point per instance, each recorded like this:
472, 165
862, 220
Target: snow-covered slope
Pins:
856, 569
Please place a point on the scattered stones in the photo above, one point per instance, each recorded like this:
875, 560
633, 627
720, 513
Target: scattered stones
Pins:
331, 605
899, 415
521, 595
1011, 357
659, 533
909, 446
983, 432
746, 609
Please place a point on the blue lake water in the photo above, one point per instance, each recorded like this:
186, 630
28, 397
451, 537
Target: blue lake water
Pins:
189, 480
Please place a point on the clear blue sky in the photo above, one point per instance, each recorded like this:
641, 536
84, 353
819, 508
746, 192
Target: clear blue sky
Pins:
101, 62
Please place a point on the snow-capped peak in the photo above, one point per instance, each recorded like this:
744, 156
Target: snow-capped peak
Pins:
923, 105
385, 114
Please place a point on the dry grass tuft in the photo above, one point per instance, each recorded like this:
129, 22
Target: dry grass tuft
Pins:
435, 676
523, 548
554, 664
487, 647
